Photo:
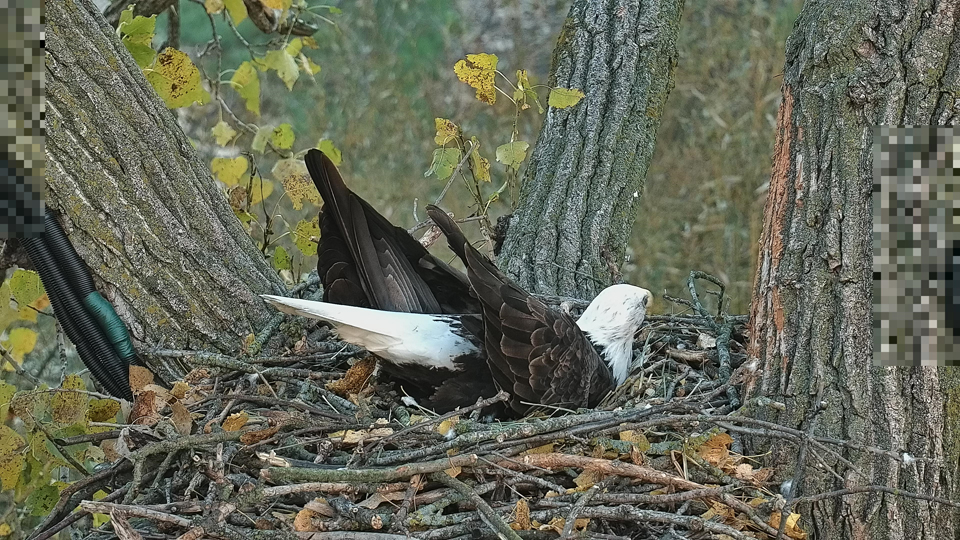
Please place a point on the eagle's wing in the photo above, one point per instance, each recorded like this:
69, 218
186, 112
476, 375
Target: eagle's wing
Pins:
361, 252
536, 354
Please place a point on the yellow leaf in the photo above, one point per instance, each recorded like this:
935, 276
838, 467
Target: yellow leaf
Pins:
479, 164
308, 66
102, 410
11, 457
586, 479
223, 133
277, 4
303, 236
637, 438
213, 6
561, 98
296, 181
25, 286
235, 421
446, 131
283, 136
545, 449
20, 342
293, 48
69, 404
246, 81
281, 259
326, 146
179, 389
177, 80
137, 34
229, 171
479, 71
237, 11
5, 530
447, 425
259, 189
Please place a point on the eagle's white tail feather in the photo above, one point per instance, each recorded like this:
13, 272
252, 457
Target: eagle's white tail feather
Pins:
402, 338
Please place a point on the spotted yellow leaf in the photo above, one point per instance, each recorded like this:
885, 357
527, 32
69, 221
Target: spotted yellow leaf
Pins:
304, 234
177, 80
446, 131
11, 457
236, 421
69, 404
282, 136
479, 71
296, 181
327, 147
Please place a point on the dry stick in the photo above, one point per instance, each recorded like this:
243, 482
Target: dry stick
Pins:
605, 466
328, 487
576, 509
408, 498
629, 513
295, 474
501, 396
490, 517
100, 507
548, 485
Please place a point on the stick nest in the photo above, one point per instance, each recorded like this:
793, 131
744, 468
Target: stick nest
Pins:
311, 444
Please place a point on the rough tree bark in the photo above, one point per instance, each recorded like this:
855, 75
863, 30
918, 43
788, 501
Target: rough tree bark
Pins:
139, 204
851, 65
579, 195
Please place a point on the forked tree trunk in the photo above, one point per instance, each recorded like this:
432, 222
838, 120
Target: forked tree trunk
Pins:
579, 196
139, 205
851, 65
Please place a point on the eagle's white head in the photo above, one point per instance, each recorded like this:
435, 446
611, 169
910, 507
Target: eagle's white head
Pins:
611, 320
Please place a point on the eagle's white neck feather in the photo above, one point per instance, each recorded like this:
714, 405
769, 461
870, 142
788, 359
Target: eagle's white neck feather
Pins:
611, 321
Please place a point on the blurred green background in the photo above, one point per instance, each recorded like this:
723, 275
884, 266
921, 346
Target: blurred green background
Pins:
387, 72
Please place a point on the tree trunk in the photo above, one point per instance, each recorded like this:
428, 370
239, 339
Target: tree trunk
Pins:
138, 203
851, 65
583, 183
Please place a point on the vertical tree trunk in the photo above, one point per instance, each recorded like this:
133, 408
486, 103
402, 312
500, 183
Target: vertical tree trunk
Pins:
851, 65
581, 189
140, 206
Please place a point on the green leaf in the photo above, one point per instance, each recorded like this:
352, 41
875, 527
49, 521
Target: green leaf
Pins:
561, 98
11, 457
445, 161
137, 34
283, 63
263, 135
177, 80
283, 136
302, 236
229, 171
26, 286
326, 146
42, 500
237, 11
223, 133
525, 92
247, 83
281, 260
512, 154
